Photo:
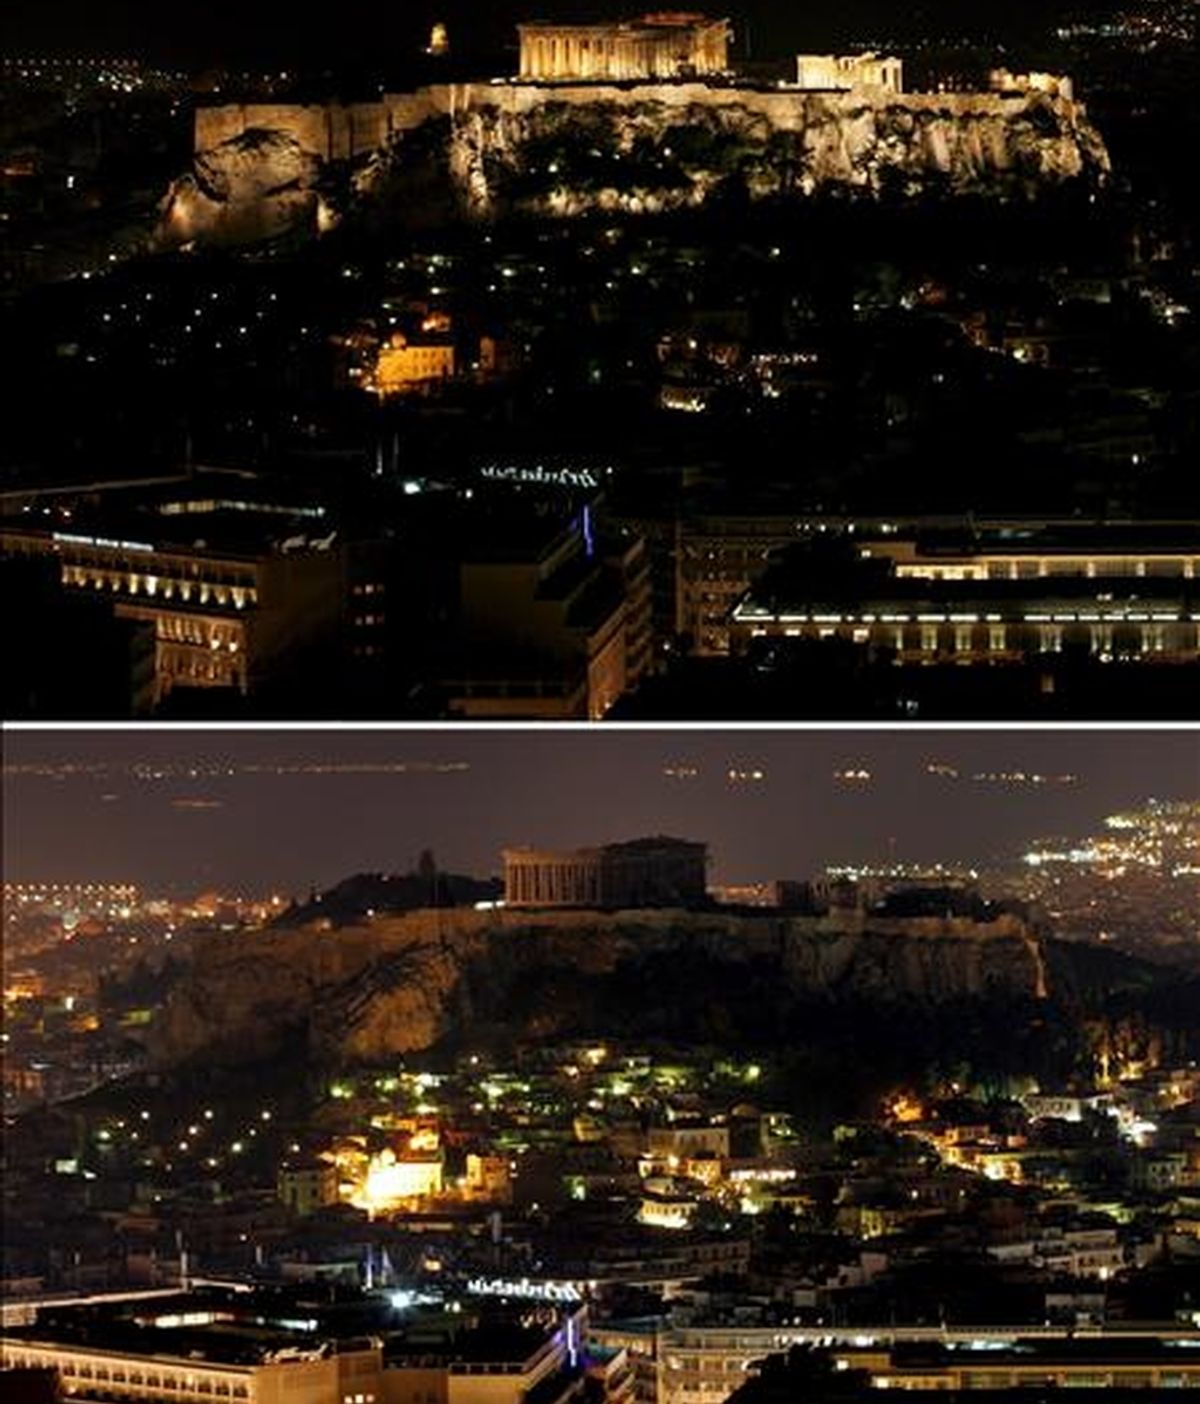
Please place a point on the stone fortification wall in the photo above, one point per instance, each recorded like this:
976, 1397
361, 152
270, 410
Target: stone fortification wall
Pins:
787, 109
337, 131
331, 131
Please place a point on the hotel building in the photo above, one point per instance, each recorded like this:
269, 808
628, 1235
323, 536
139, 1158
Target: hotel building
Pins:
149, 1375
226, 600
704, 1364
996, 595
247, 1348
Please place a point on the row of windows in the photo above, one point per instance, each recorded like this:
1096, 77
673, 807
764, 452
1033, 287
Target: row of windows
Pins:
185, 629
174, 666
727, 561
131, 1393
1080, 1379
1039, 569
156, 563
135, 1380
966, 638
156, 587
727, 556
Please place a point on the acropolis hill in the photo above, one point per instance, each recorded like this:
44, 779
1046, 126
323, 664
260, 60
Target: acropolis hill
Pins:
368, 991
641, 118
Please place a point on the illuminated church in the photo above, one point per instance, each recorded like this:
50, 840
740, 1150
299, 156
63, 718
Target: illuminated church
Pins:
657, 46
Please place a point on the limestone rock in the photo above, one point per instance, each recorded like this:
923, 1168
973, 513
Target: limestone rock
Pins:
365, 994
255, 186
489, 150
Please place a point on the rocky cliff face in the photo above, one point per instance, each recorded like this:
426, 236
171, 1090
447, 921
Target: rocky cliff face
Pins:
641, 154
568, 151
253, 187
365, 994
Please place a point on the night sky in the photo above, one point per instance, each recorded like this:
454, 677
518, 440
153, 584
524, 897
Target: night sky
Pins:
262, 832
273, 32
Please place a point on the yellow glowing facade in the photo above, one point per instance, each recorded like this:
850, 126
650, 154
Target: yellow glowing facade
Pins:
905, 1109
993, 561
1120, 601
402, 368
669, 1216
91, 1372
392, 1181
841, 72
656, 47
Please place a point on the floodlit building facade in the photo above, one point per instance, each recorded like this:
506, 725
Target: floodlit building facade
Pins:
842, 72
998, 596
297, 1377
222, 612
403, 367
657, 46
704, 1364
242, 1348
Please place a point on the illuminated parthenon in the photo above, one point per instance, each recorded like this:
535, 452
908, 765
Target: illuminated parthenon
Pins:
656, 46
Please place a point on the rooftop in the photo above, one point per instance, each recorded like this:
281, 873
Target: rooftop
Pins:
834, 578
213, 1325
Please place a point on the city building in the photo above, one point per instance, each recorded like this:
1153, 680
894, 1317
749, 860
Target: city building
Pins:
658, 46
668, 1203
172, 1348
404, 367
551, 622
683, 1139
995, 595
61, 637
704, 1364
228, 600
1023, 1363
840, 73
499, 1364
307, 1185
393, 1180
71, 900
488, 1178
650, 872
281, 1345
716, 559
